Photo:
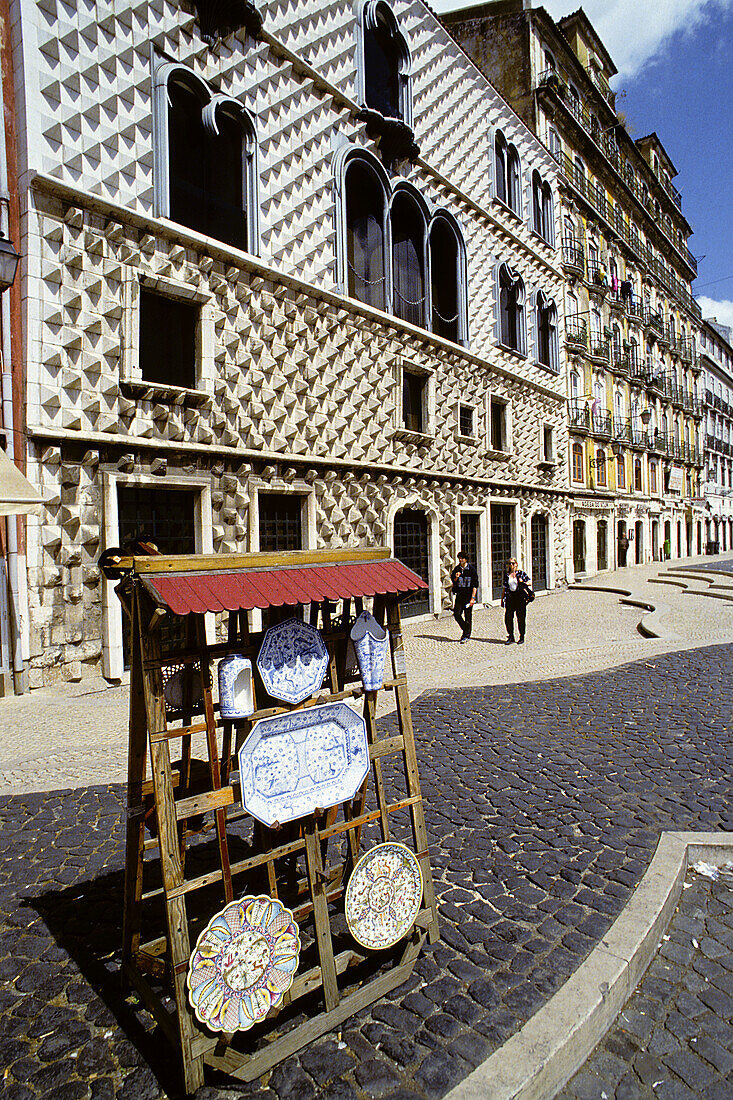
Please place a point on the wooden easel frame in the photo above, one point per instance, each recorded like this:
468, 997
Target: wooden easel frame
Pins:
165, 958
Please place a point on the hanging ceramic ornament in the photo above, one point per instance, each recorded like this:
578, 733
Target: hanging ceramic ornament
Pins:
236, 697
371, 644
243, 963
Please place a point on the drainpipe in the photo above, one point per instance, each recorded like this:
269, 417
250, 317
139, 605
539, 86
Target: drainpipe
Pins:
10, 225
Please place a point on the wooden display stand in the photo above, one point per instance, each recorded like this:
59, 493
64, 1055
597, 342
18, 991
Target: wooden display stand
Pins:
188, 798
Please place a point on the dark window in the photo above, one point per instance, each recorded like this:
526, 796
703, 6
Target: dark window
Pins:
383, 54
637, 474
207, 177
365, 206
548, 445
465, 420
601, 467
470, 541
280, 522
542, 213
165, 517
547, 351
408, 260
445, 279
511, 309
411, 547
498, 425
602, 544
506, 171
168, 340
501, 545
413, 399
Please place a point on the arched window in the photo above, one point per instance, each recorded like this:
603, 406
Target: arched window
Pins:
574, 387
637, 475
542, 210
207, 179
546, 328
447, 280
506, 173
620, 472
577, 461
386, 67
408, 259
618, 413
365, 234
511, 310
601, 478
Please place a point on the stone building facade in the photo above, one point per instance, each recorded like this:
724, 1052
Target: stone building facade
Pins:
716, 356
635, 409
274, 299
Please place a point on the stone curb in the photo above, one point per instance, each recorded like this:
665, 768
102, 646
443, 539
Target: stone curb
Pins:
649, 624
540, 1058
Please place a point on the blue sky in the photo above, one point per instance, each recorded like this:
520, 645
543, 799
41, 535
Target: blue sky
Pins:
676, 77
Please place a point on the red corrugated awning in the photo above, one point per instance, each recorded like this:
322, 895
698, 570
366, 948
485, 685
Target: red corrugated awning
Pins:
194, 592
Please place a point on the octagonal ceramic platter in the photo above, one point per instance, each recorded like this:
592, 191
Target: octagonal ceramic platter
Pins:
383, 896
243, 963
294, 763
292, 660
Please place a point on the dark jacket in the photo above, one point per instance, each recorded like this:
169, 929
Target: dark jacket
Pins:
464, 581
522, 578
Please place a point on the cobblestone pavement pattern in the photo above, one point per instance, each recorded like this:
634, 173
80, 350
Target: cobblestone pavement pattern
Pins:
568, 632
544, 803
674, 1040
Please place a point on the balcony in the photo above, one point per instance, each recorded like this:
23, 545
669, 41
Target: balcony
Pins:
602, 85
580, 417
576, 333
653, 322
601, 423
640, 373
573, 257
599, 348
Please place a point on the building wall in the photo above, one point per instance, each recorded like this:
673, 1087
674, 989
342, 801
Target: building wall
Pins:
717, 381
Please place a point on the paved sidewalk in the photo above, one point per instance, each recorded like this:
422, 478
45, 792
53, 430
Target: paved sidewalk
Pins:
674, 1039
76, 734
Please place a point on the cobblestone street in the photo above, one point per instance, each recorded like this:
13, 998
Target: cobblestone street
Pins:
544, 804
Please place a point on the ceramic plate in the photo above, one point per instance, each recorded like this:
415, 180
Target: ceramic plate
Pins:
294, 763
243, 963
292, 661
383, 896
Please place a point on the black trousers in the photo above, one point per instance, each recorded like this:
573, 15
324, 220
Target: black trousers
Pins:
515, 605
463, 614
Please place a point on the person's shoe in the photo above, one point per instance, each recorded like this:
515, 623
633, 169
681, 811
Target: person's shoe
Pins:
520, 641
464, 640
509, 641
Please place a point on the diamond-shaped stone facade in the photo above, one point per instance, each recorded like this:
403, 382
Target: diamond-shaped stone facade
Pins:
303, 386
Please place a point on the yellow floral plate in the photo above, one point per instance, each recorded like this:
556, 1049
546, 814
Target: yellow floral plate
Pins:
243, 963
383, 896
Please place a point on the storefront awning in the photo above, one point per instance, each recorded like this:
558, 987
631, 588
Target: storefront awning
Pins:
193, 591
17, 495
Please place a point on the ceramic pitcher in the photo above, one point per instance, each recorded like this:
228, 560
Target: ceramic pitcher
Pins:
236, 697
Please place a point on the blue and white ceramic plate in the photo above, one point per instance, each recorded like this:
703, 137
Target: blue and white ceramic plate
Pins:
295, 763
292, 661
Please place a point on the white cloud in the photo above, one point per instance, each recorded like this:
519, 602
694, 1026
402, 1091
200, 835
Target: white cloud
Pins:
633, 33
722, 311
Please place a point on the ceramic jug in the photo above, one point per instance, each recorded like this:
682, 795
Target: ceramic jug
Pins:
236, 697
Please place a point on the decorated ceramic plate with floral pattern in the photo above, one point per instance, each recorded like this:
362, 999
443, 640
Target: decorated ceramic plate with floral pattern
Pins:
383, 896
243, 963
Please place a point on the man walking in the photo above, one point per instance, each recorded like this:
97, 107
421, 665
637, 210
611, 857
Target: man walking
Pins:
465, 587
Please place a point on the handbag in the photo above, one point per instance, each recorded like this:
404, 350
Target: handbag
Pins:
527, 593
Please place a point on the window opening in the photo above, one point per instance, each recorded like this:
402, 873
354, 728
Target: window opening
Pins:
413, 401
465, 420
408, 260
385, 58
546, 321
365, 210
280, 522
498, 425
167, 350
411, 541
445, 279
511, 309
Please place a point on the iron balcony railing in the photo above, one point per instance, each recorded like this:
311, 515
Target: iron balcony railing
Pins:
576, 331
599, 347
573, 255
606, 142
616, 220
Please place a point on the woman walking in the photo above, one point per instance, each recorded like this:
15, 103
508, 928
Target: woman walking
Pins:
514, 599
